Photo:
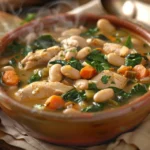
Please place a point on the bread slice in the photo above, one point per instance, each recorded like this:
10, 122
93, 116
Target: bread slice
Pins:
8, 22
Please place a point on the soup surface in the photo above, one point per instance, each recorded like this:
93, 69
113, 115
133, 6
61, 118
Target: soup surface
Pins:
74, 70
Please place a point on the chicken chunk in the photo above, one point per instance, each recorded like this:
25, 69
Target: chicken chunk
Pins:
41, 89
111, 47
116, 48
39, 57
69, 43
114, 80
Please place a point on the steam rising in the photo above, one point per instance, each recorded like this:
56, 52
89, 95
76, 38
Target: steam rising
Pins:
49, 9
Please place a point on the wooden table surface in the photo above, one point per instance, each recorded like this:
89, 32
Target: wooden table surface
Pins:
29, 4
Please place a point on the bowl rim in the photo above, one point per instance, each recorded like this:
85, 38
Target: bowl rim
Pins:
90, 116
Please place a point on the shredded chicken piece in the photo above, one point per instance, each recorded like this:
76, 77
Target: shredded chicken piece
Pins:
112, 47
40, 57
68, 43
114, 80
116, 48
59, 56
41, 89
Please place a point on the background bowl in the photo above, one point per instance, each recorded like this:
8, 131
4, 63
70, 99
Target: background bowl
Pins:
79, 130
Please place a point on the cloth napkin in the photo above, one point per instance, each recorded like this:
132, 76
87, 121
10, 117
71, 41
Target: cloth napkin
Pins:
13, 134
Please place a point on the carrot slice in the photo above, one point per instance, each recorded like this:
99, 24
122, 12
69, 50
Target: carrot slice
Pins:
123, 69
141, 71
111, 38
55, 102
10, 78
87, 72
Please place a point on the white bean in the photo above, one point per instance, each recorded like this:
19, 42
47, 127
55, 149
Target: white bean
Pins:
95, 42
70, 32
70, 72
104, 95
6, 68
83, 53
115, 59
137, 42
124, 51
72, 52
69, 55
82, 104
68, 43
81, 84
105, 26
71, 111
55, 73
82, 42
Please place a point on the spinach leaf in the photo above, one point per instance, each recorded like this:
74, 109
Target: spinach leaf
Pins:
12, 49
128, 42
97, 60
121, 95
29, 17
90, 32
139, 89
34, 77
72, 62
75, 63
92, 86
26, 50
94, 107
105, 79
96, 55
61, 62
133, 59
118, 40
95, 64
102, 37
43, 42
74, 95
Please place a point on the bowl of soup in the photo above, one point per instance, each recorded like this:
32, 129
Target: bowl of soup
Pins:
76, 80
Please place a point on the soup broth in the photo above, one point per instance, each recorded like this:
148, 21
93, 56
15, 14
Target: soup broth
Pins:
79, 69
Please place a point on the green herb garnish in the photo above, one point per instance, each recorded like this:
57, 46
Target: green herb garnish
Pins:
121, 95
74, 95
105, 79
29, 17
92, 86
128, 42
61, 62
139, 89
94, 107
101, 37
97, 60
35, 77
43, 42
75, 63
26, 50
133, 59
72, 62
12, 49
90, 32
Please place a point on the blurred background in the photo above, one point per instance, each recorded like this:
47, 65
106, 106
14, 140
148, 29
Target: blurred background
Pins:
137, 10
